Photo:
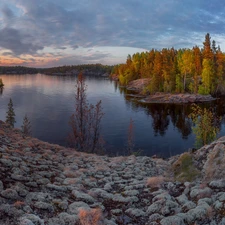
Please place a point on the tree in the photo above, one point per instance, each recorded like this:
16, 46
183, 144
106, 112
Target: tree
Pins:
207, 50
197, 68
26, 127
10, 117
205, 127
1, 83
85, 122
208, 86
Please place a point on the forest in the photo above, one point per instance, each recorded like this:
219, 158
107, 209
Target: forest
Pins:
193, 70
66, 69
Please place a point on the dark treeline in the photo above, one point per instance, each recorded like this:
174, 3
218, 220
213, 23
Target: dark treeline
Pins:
95, 69
185, 70
18, 70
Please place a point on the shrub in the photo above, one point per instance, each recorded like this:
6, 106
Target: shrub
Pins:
184, 169
91, 217
205, 125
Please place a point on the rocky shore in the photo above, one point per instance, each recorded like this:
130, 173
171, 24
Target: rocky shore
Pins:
46, 184
139, 85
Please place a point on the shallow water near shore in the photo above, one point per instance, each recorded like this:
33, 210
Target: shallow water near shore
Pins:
159, 129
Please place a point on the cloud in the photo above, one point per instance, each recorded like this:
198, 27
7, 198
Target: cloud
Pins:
29, 26
18, 42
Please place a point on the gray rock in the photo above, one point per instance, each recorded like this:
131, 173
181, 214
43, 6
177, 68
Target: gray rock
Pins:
132, 212
76, 206
116, 211
201, 193
56, 187
188, 205
218, 205
108, 187
25, 221
198, 213
155, 207
6, 162
10, 194
19, 177
131, 192
109, 222
44, 206
182, 199
34, 218
1, 186
217, 184
38, 196
220, 196
82, 197
66, 218
172, 220
170, 207
155, 217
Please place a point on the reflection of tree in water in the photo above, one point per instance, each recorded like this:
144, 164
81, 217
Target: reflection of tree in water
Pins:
116, 85
1, 91
162, 114
179, 117
160, 118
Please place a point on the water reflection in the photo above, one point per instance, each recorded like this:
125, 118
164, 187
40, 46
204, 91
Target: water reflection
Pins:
164, 114
161, 129
1, 91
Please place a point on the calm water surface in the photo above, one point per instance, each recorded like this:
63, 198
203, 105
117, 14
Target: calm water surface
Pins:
159, 129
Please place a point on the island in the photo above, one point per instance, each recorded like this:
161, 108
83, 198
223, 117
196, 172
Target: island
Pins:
175, 76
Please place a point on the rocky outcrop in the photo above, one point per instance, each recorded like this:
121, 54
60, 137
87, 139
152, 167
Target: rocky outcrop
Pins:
42, 183
140, 85
177, 98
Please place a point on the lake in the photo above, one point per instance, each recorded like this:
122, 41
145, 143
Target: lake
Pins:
159, 129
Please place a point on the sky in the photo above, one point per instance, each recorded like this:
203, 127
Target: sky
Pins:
48, 33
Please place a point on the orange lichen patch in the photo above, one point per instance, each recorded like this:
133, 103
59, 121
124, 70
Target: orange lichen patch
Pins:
19, 204
2, 133
90, 217
155, 182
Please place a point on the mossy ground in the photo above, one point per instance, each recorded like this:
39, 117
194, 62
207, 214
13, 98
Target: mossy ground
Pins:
184, 169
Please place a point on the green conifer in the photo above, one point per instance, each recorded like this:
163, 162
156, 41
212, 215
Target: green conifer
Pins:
26, 127
10, 117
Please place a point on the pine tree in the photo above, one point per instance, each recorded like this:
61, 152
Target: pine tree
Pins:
10, 117
26, 127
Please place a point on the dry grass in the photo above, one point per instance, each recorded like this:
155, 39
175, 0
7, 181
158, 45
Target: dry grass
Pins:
155, 182
91, 217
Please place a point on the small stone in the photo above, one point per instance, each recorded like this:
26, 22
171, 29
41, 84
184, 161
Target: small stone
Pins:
76, 206
6, 162
44, 206
10, 194
82, 196
220, 184
172, 220
135, 212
